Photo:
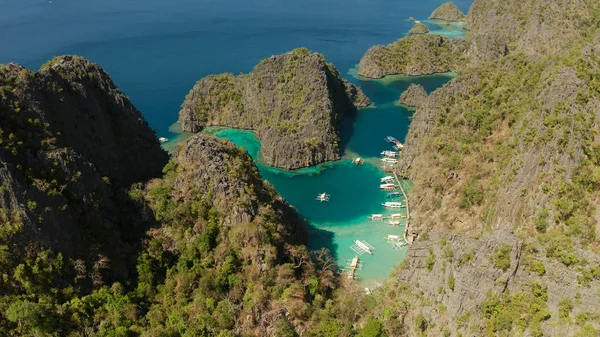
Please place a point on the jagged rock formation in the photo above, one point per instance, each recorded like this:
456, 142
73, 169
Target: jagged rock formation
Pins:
447, 12
461, 285
414, 96
294, 101
533, 27
412, 55
69, 141
419, 28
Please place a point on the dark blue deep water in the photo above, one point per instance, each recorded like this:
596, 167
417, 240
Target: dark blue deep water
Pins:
155, 50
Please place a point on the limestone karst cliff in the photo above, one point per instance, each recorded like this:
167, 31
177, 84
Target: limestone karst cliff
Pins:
414, 96
295, 102
69, 142
412, 55
447, 12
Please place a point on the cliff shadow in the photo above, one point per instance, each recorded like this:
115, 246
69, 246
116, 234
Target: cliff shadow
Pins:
321, 238
347, 129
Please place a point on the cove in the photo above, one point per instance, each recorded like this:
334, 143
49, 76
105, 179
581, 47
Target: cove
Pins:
354, 189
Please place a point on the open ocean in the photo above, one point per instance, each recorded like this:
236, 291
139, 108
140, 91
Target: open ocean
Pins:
156, 50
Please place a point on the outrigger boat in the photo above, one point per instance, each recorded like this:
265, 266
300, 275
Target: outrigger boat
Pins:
393, 195
352, 266
390, 139
398, 144
387, 186
389, 154
398, 245
163, 139
389, 160
323, 197
392, 238
388, 179
358, 161
376, 217
392, 204
393, 223
397, 216
397, 148
361, 247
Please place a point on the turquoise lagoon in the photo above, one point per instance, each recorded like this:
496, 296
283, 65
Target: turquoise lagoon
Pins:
354, 189
156, 50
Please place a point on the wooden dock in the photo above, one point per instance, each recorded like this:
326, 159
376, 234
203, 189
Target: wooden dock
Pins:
407, 208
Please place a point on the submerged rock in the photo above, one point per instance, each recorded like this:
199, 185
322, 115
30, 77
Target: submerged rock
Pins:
295, 102
413, 96
447, 12
419, 28
412, 55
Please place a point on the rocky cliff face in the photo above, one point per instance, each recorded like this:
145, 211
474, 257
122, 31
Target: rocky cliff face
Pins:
414, 96
494, 285
412, 55
532, 27
447, 12
69, 141
294, 101
510, 144
418, 28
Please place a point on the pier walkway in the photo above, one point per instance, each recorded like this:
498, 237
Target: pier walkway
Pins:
407, 208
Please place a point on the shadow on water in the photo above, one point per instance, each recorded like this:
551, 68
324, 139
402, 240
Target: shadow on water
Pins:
321, 238
347, 130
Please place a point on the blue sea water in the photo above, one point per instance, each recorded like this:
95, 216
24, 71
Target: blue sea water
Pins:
155, 50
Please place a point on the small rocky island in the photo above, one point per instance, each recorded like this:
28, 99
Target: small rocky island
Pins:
295, 102
413, 96
447, 12
412, 55
419, 28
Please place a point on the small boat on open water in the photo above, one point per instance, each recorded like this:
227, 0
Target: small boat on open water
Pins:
323, 197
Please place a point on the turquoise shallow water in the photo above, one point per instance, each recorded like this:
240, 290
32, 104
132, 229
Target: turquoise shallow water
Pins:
354, 190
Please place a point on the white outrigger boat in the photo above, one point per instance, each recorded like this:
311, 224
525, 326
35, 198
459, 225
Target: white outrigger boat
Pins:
361, 247
387, 186
376, 217
390, 204
393, 238
163, 139
389, 160
358, 161
389, 154
323, 197
397, 216
388, 179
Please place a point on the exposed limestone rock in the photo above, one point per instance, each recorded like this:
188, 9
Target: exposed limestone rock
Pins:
460, 274
295, 102
419, 28
414, 96
69, 141
532, 27
447, 12
412, 55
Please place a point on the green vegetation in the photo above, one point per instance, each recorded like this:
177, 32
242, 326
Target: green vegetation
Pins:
501, 257
521, 311
430, 260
